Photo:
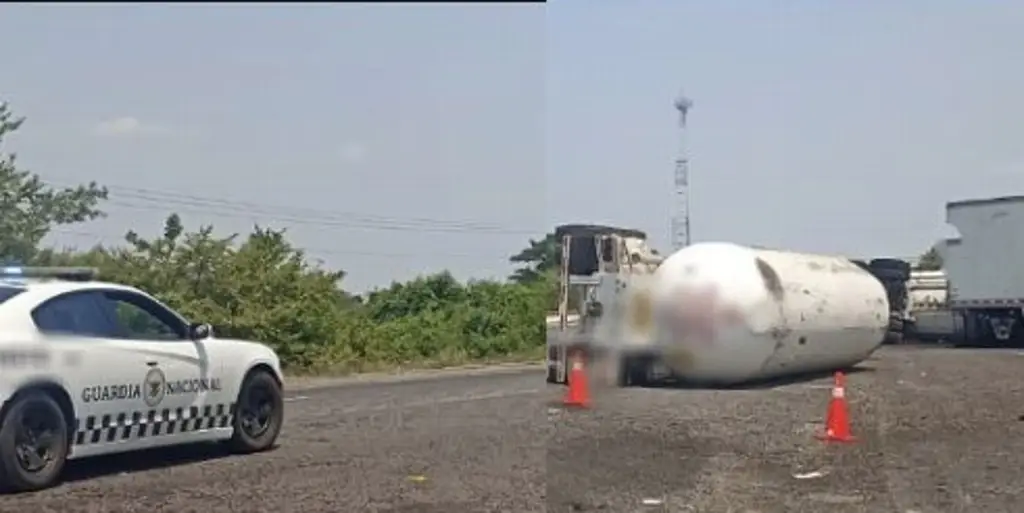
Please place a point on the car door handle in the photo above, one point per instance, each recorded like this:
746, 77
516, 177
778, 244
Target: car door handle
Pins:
151, 363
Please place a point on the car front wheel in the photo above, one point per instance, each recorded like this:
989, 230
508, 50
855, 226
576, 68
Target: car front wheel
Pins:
33, 443
259, 413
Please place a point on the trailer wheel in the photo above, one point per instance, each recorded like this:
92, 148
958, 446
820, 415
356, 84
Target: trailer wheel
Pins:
894, 334
910, 331
633, 372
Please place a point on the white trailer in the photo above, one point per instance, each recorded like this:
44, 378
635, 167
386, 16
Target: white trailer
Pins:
984, 269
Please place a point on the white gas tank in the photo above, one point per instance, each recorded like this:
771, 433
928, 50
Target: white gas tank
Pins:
728, 313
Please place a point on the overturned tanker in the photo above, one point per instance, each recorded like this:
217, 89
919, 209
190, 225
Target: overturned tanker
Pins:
728, 314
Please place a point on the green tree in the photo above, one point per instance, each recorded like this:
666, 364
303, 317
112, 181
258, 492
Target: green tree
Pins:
930, 260
262, 289
539, 257
30, 208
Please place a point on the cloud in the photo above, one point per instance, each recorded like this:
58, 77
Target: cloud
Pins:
353, 152
126, 127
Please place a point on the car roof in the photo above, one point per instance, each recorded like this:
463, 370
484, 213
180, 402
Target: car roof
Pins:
55, 287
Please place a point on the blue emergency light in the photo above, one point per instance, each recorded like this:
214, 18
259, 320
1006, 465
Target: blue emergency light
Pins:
56, 273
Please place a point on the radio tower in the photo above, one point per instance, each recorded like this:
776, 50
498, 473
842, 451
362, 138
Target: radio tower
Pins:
681, 203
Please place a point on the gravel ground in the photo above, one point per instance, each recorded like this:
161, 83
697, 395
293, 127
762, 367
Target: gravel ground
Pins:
938, 429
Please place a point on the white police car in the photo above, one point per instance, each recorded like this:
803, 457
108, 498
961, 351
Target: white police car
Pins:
90, 368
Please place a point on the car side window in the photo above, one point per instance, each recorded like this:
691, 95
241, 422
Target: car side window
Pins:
75, 313
139, 318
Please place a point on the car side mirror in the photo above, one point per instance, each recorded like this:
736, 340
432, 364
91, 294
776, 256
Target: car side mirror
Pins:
199, 331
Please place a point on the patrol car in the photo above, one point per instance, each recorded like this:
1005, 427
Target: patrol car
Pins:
90, 368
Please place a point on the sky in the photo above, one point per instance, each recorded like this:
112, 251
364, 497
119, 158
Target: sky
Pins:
396, 140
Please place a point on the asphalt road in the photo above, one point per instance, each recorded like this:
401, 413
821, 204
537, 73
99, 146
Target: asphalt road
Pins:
939, 431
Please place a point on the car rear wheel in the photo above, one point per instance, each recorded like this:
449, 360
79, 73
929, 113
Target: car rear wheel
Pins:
259, 413
33, 443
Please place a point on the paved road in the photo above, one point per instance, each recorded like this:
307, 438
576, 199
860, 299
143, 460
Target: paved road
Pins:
940, 431
460, 444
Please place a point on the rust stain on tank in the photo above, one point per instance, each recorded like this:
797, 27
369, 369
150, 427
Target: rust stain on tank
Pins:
770, 278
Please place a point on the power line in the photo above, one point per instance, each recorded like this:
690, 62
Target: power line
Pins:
162, 200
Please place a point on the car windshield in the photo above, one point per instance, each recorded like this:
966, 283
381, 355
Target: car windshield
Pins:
7, 292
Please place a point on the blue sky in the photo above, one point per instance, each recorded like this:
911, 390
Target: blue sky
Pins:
820, 126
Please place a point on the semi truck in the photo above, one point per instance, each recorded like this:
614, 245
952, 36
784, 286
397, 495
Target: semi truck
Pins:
603, 277
716, 313
893, 273
984, 271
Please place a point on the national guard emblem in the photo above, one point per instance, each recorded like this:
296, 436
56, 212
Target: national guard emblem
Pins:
154, 387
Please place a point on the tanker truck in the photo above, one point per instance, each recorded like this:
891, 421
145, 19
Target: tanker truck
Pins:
717, 313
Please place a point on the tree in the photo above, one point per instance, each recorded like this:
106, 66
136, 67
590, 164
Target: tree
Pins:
29, 208
930, 260
539, 257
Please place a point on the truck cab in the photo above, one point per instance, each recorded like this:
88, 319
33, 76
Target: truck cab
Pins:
604, 303
894, 273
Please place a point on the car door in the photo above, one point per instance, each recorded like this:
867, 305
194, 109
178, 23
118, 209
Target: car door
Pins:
106, 382
185, 387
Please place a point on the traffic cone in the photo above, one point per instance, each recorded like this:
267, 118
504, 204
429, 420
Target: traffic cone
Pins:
578, 394
837, 419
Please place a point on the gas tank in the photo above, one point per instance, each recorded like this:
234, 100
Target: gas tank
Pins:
727, 313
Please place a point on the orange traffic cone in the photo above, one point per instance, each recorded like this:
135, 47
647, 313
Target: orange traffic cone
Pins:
837, 419
578, 394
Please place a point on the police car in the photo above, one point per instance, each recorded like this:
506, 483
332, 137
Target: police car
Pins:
90, 368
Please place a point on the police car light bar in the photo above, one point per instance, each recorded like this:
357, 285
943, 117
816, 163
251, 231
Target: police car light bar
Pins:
59, 273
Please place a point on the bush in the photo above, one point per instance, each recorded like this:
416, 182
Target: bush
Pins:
264, 289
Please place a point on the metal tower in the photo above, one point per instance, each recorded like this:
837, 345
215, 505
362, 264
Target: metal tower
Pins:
681, 192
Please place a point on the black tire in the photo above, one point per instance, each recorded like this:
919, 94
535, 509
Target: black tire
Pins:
553, 375
247, 439
633, 372
14, 476
893, 338
910, 331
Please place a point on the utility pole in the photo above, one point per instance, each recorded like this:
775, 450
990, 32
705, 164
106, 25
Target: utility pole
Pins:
681, 192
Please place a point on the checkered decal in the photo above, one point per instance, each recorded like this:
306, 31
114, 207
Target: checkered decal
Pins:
140, 424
